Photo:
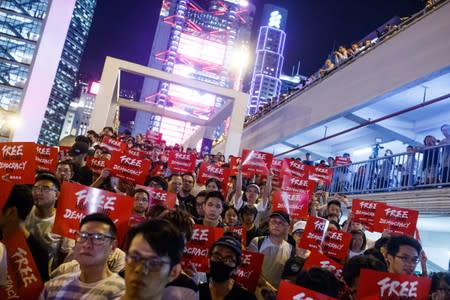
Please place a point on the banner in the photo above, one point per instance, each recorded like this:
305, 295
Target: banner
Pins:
180, 162
234, 163
382, 285
97, 164
129, 168
76, 201
46, 158
336, 244
276, 170
207, 171
295, 168
295, 204
206, 147
153, 136
290, 183
5, 190
290, 291
113, 144
321, 173
23, 278
196, 250
321, 261
363, 211
256, 162
396, 220
314, 233
18, 161
341, 161
135, 153
241, 231
157, 196
248, 272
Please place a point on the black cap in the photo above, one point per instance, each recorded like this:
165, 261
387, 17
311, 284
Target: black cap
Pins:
282, 215
232, 243
79, 148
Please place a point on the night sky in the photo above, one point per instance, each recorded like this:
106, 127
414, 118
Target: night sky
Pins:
125, 29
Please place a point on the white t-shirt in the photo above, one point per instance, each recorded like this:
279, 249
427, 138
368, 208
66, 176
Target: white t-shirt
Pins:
3, 265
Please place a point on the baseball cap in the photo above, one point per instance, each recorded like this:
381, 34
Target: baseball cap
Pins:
281, 214
79, 148
255, 186
232, 243
299, 225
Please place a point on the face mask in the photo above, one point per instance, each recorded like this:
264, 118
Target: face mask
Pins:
219, 271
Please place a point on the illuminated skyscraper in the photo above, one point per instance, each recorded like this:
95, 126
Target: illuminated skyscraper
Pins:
196, 42
64, 84
266, 83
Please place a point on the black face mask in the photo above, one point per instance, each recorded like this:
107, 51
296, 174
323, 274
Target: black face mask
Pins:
219, 271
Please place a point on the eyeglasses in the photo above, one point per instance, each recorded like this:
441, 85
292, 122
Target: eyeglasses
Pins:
98, 239
150, 264
443, 289
228, 260
188, 181
407, 259
42, 189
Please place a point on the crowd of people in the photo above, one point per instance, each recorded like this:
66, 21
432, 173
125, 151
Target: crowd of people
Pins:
149, 263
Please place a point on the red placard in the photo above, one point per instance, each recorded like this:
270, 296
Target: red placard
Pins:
276, 169
23, 279
336, 243
113, 144
314, 233
396, 220
196, 250
234, 163
135, 152
321, 261
295, 168
382, 285
180, 162
290, 291
295, 204
256, 162
157, 196
76, 201
291, 183
248, 272
342, 161
97, 164
363, 211
63, 152
207, 171
46, 158
129, 168
19, 161
321, 173
5, 189
241, 231
153, 136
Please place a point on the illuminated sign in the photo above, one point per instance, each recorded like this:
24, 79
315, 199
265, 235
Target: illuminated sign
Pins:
201, 49
95, 87
191, 96
274, 16
275, 19
243, 3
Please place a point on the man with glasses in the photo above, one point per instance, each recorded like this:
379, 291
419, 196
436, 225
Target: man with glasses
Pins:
185, 196
224, 258
42, 217
403, 254
64, 171
153, 259
95, 241
275, 248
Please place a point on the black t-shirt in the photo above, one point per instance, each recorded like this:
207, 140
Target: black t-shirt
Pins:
252, 233
40, 256
237, 292
187, 203
83, 175
184, 281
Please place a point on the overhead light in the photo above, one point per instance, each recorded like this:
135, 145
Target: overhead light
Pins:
366, 150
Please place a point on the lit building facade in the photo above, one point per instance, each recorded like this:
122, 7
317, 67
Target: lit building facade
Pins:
197, 43
64, 84
266, 83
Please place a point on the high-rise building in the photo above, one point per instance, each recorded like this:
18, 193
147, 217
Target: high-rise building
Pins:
266, 83
196, 42
65, 80
32, 35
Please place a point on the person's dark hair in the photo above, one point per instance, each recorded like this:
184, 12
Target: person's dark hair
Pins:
50, 177
108, 128
336, 202
382, 241
67, 163
217, 182
215, 194
361, 233
377, 254
188, 174
319, 280
248, 210
156, 210
202, 194
84, 139
174, 175
160, 180
436, 279
102, 218
164, 238
141, 191
396, 241
21, 198
227, 208
353, 267
181, 220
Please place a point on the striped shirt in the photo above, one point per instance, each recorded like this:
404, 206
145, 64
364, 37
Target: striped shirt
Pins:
69, 286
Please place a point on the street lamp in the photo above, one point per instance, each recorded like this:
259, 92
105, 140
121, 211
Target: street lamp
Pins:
240, 60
